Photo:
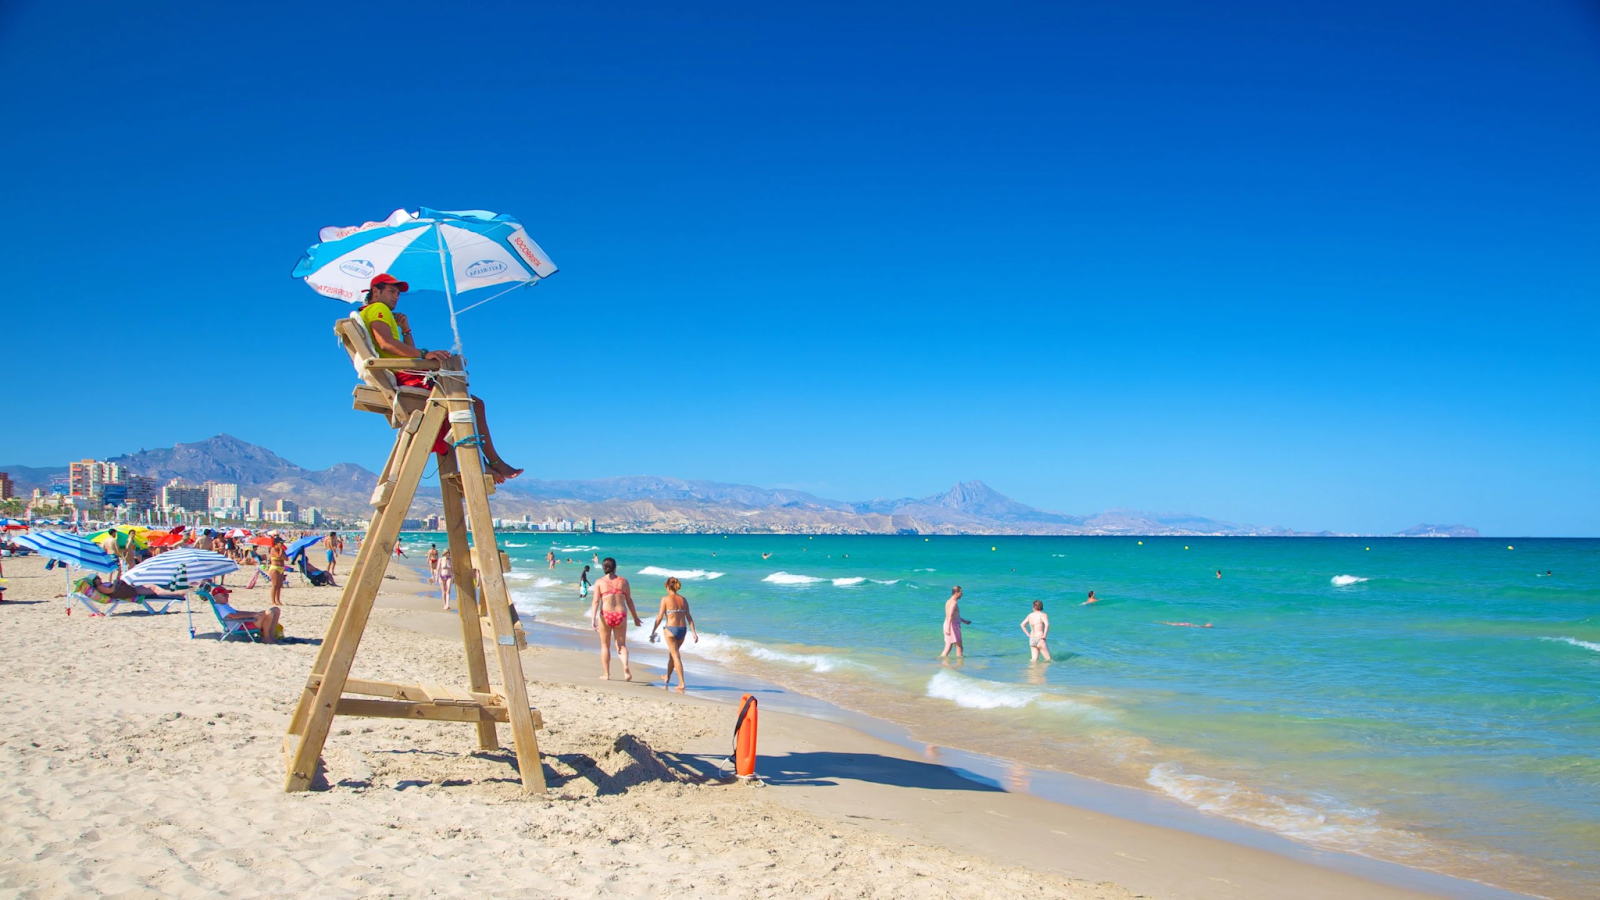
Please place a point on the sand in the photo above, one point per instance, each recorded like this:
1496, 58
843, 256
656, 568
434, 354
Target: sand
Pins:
136, 762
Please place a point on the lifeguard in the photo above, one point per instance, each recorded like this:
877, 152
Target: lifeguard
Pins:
391, 337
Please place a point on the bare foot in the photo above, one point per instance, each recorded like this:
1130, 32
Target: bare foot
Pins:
666, 679
627, 675
680, 687
606, 677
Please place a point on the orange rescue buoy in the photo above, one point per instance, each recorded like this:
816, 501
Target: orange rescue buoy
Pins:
744, 739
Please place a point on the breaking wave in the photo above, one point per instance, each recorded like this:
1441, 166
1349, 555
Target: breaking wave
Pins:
976, 693
721, 648
1587, 645
786, 578
681, 574
1320, 820
1346, 580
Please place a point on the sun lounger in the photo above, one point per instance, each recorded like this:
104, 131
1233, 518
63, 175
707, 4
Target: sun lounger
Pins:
101, 605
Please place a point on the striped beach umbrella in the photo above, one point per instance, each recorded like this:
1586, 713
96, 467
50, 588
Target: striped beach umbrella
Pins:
455, 253
194, 565
70, 549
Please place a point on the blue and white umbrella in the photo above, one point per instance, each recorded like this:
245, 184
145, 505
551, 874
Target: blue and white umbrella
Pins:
196, 565
455, 253
300, 546
70, 549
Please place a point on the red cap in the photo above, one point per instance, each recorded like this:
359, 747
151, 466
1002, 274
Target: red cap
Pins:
386, 278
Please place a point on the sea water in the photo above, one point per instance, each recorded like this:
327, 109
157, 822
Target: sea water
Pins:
1432, 702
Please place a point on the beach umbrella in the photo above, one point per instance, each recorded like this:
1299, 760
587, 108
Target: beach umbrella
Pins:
300, 545
238, 533
126, 534
195, 565
70, 549
262, 540
13, 525
455, 253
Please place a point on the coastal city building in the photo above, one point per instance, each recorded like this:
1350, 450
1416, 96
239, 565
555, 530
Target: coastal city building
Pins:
288, 508
221, 495
8, 488
252, 509
312, 516
176, 495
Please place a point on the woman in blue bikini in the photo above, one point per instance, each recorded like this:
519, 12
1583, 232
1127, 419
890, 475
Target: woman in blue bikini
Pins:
675, 611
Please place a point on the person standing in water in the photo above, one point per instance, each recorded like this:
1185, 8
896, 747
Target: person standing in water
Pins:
550, 557
953, 623
1037, 627
609, 612
675, 611
433, 563
583, 583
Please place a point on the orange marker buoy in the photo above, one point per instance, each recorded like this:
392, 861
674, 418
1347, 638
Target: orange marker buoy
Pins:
744, 739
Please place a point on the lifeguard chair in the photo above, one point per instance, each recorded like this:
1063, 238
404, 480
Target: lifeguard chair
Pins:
417, 415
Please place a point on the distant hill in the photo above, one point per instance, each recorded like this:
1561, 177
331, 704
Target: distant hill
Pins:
651, 503
258, 471
1458, 531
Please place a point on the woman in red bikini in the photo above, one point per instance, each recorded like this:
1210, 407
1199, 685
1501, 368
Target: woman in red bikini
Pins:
609, 613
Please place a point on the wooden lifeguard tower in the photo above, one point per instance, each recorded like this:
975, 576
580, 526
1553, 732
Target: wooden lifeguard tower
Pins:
417, 415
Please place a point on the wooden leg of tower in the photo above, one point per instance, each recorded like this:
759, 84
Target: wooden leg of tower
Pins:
362, 591
364, 559
466, 599
492, 587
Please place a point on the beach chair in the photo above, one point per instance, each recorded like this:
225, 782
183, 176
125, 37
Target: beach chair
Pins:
380, 392
230, 627
101, 605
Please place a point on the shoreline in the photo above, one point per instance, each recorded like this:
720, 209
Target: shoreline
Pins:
565, 655
145, 763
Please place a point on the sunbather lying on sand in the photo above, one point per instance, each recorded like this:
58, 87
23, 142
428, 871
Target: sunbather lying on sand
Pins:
122, 590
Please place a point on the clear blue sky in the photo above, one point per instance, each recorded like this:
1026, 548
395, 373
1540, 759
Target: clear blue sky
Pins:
1323, 268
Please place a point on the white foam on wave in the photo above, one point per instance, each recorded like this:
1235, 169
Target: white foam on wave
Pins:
976, 693
848, 582
1347, 580
924, 570
889, 581
786, 578
573, 549
681, 574
1321, 820
721, 648
509, 544
1587, 645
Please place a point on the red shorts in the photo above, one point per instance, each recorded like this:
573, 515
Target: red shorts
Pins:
441, 444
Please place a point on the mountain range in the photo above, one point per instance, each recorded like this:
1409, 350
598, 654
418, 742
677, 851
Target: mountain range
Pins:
653, 504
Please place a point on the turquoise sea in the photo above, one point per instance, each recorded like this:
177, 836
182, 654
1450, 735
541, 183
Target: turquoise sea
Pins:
1430, 702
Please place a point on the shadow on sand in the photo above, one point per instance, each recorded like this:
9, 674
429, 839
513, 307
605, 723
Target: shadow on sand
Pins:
825, 769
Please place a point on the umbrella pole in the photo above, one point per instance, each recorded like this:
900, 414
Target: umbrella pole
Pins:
449, 296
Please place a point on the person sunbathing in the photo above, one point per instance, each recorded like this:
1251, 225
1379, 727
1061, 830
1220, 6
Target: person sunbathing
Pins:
122, 590
265, 621
391, 337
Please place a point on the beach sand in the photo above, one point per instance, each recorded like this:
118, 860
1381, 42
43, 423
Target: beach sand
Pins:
135, 762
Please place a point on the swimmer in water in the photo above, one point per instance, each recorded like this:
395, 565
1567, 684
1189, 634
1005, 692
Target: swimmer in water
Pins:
766, 556
1219, 573
1187, 624
1092, 599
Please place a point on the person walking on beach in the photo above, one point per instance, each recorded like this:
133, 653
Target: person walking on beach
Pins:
953, 623
445, 574
1037, 627
399, 551
391, 337
675, 611
583, 583
277, 566
433, 563
609, 613
335, 547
